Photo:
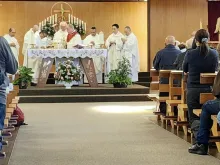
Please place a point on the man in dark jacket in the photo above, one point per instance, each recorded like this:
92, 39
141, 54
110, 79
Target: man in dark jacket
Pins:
166, 57
8, 64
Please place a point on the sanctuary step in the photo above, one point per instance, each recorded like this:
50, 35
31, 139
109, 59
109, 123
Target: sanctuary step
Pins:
144, 79
84, 93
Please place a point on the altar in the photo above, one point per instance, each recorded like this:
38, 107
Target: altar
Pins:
83, 55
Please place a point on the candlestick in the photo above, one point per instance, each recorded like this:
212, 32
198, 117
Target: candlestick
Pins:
56, 18
69, 18
42, 23
85, 27
45, 22
74, 21
47, 19
40, 26
50, 19
77, 21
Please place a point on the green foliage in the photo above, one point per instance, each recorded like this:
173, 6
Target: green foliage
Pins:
24, 75
49, 29
121, 74
67, 72
80, 29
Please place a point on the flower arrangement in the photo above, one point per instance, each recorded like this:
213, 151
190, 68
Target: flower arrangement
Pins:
79, 28
67, 72
120, 76
49, 29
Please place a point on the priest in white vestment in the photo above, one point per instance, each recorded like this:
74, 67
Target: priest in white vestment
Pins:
130, 51
12, 41
73, 38
60, 36
93, 41
30, 42
114, 45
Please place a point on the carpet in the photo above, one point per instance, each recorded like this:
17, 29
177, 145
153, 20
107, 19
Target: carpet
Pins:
98, 134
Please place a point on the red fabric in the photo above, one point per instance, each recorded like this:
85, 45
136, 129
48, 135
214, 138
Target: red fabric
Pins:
213, 15
70, 36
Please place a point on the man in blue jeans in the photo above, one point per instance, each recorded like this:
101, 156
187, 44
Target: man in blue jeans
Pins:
210, 108
218, 118
8, 64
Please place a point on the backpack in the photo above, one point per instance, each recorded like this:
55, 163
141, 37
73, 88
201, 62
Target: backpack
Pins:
20, 114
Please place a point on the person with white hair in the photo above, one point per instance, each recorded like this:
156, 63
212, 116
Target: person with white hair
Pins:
61, 35
166, 57
73, 37
30, 42
189, 42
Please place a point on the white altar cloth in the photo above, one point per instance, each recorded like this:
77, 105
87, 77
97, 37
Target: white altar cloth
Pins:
61, 53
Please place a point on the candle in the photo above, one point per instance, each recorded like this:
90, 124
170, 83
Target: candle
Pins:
77, 21
69, 18
82, 25
53, 20
40, 25
85, 27
56, 18
45, 22
72, 19
50, 19
47, 19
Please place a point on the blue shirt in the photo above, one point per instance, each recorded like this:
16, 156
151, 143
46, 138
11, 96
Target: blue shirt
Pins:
165, 58
194, 64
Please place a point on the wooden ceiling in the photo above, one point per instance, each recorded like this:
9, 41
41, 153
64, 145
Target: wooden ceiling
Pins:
84, 0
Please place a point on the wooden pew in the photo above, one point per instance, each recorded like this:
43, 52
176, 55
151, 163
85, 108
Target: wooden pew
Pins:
216, 131
174, 92
154, 74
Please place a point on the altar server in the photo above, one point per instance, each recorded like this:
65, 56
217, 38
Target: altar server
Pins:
13, 43
93, 41
130, 51
114, 45
30, 42
41, 41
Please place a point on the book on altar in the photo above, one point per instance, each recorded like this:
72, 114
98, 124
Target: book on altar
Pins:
79, 46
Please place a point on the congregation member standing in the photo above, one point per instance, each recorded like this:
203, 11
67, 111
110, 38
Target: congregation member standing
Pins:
93, 41
8, 65
114, 45
13, 43
130, 52
30, 42
200, 60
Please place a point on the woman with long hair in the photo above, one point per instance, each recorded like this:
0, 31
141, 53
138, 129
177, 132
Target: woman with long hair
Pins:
200, 60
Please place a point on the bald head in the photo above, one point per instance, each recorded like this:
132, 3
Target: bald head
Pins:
70, 28
63, 26
35, 28
12, 32
170, 40
127, 30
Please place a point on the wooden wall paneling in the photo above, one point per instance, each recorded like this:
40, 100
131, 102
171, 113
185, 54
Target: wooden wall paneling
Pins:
174, 17
24, 14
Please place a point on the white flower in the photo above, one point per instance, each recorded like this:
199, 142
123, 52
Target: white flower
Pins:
62, 78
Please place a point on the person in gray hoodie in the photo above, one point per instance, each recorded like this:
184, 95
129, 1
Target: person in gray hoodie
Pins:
8, 64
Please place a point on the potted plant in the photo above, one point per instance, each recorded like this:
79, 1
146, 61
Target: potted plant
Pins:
120, 76
68, 74
25, 77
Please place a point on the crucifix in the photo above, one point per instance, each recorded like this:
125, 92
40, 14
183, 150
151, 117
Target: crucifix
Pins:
62, 11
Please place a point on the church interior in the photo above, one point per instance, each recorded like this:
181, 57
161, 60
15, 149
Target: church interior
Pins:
103, 82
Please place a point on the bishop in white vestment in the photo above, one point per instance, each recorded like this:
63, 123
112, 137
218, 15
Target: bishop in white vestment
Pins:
130, 51
12, 41
30, 42
93, 41
61, 35
114, 45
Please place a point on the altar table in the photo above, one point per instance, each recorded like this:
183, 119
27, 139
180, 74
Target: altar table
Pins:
84, 55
